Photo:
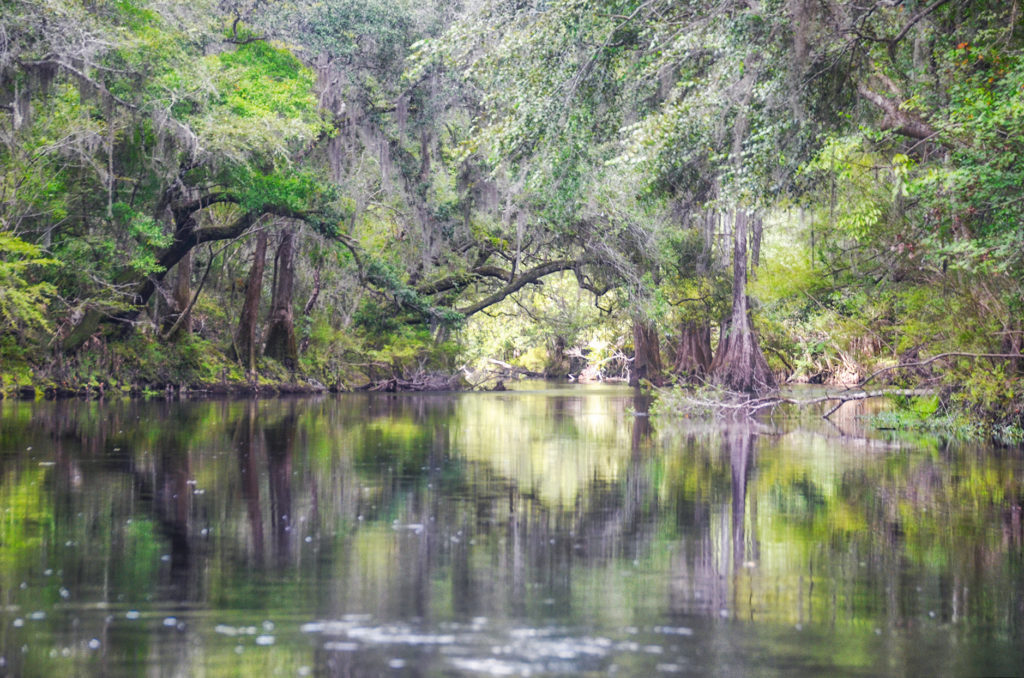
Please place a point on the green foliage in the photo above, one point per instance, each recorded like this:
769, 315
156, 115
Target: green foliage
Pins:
23, 301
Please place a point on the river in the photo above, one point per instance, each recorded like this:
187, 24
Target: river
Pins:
544, 531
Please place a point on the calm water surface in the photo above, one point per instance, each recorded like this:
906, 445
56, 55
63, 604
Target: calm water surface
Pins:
538, 532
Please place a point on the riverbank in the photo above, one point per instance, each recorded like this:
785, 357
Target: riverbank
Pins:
140, 368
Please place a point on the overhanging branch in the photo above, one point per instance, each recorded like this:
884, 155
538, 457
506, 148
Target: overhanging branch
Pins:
527, 277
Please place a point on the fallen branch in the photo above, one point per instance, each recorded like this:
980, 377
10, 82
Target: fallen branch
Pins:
514, 370
922, 363
751, 406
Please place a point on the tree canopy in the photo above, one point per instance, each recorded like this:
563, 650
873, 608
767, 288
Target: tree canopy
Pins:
740, 191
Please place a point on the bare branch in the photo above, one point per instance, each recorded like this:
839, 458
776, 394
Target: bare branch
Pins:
953, 354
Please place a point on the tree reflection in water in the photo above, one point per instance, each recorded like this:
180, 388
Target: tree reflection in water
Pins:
559, 527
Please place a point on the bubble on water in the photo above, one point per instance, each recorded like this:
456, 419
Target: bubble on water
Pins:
170, 621
723, 613
94, 644
65, 652
309, 540
674, 630
304, 671
268, 626
931, 613
878, 632
264, 640
132, 614
181, 626
669, 668
396, 663
204, 531
24, 585
225, 630
239, 649
64, 593
18, 623
47, 572
312, 627
37, 615
798, 627
166, 557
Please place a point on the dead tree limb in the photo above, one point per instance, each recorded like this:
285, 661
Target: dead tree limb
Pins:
751, 406
922, 363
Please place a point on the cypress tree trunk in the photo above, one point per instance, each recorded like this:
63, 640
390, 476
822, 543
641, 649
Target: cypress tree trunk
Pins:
281, 344
739, 364
245, 337
693, 350
647, 360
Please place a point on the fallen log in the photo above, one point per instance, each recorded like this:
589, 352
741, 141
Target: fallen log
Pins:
430, 382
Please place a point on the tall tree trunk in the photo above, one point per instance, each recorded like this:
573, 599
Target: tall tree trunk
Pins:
693, 350
756, 232
245, 338
739, 364
281, 344
181, 295
647, 360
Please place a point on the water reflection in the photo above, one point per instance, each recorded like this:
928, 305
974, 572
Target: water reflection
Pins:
516, 533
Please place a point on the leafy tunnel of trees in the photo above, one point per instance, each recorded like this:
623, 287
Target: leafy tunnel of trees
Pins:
351, 192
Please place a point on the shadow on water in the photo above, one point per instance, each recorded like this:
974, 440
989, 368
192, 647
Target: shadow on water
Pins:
553, 531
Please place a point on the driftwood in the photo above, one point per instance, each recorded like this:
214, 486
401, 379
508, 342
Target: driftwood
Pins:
512, 370
426, 382
742, 404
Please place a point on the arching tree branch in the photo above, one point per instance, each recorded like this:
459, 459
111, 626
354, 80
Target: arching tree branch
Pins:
533, 275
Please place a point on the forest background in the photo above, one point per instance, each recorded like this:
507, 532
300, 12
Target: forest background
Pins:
298, 194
